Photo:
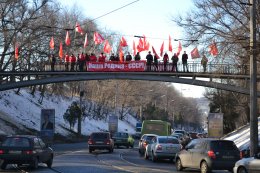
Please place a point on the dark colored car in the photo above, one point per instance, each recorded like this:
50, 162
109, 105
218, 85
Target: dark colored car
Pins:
144, 141
208, 154
101, 141
123, 139
245, 151
25, 149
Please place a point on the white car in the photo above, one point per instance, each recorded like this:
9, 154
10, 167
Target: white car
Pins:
248, 165
162, 147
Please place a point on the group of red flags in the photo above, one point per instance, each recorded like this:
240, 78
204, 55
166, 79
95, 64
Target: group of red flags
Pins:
143, 45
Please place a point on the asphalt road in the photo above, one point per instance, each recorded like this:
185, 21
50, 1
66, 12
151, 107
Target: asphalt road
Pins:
75, 158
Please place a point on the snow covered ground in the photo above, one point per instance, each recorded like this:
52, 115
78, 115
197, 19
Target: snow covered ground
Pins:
241, 136
24, 110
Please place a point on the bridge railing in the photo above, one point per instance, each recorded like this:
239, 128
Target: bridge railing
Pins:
192, 67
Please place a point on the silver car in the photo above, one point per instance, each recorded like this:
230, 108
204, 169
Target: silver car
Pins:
162, 147
248, 165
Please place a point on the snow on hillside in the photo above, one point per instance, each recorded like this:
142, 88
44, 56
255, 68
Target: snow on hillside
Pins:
24, 110
241, 136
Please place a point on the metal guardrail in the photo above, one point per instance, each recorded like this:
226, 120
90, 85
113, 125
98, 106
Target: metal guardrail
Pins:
192, 67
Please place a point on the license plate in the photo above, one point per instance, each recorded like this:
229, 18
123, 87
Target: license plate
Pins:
227, 157
14, 152
99, 142
169, 148
119, 140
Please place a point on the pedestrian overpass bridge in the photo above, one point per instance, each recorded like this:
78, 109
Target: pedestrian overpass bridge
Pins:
217, 76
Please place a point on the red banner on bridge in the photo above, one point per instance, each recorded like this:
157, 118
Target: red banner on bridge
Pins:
116, 66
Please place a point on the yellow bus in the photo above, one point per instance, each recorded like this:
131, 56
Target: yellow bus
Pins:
158, 127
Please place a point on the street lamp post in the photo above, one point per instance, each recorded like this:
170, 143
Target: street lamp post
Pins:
253, 83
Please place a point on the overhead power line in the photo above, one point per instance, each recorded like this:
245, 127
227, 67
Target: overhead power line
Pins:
114, 10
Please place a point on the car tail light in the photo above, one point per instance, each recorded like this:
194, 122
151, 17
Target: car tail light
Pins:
241, 154
211, 154
90, 141
159, 147
29, 152
2, 152
144, 144
107, 142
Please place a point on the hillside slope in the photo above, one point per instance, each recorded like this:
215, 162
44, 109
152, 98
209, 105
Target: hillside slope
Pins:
22, 113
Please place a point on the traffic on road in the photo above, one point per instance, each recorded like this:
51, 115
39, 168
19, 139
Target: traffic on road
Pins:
160, 154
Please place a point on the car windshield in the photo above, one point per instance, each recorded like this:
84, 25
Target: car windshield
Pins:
168, 141
223, 145
149, 138
99, 136
121, 135
16, 142
179, 131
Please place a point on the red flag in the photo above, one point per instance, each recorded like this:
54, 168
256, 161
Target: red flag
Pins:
52, 43
195, 53
154, 52
213, 49
146, 44
123, 42
78, 28
140, 46
179, 49
60, 51
134, 48
170, 44
86, 40
16, 51
98, 39
121, 54
67, 39
107, 47
161, 50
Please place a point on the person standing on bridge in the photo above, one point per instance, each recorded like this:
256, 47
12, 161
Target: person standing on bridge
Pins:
155, 62
102, 57
128, 57
149, 61
53, 62
137, 57
204, 62
93, 57
165, 61
175, 60
82, 61
72, 62
67, 62
185, 61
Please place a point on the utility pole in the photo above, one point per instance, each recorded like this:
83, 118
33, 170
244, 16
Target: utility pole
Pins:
253, 83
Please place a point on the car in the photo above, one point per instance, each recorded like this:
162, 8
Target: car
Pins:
208, 154
245, 151
185, 134
144, 141
248, 165
193, 135
25, 149
123, 139
101, 141
162, 147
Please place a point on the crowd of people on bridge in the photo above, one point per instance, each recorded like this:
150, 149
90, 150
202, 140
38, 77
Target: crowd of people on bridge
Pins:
78, 63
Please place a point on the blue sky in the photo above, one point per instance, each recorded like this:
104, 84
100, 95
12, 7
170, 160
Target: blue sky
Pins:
149, 17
